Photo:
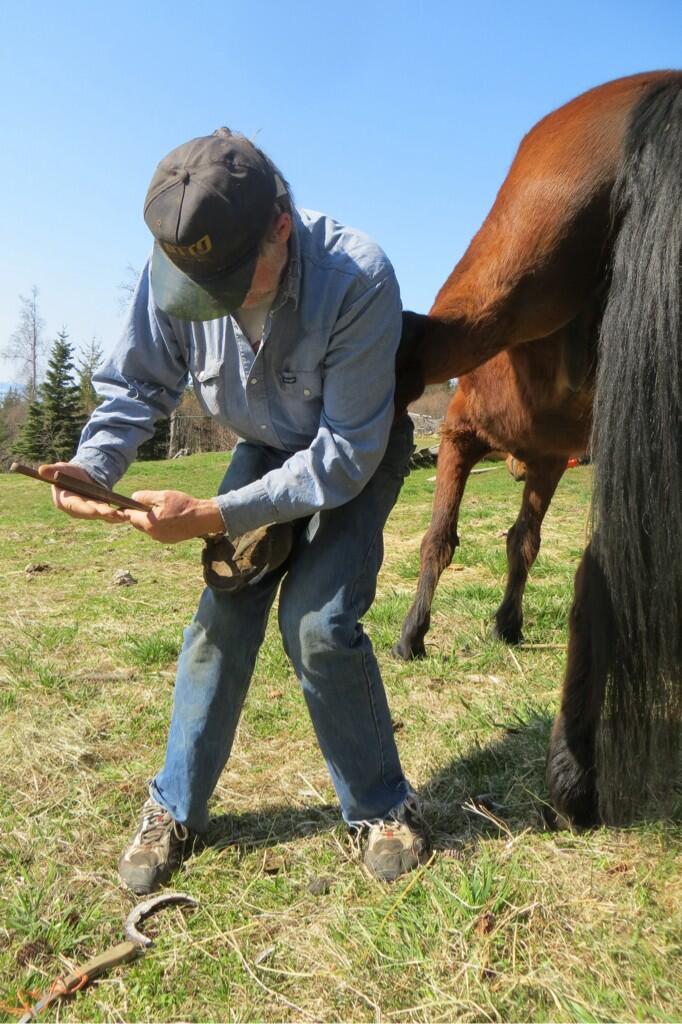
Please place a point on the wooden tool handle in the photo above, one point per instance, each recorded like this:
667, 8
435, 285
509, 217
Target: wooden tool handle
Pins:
85, 489
123, 953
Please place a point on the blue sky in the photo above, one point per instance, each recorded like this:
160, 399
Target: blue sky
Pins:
397, 117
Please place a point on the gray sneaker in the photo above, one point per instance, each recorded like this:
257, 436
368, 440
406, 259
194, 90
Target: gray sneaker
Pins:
399, 844
157, 850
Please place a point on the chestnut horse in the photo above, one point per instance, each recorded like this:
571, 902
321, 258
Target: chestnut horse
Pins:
534, 401
580, 253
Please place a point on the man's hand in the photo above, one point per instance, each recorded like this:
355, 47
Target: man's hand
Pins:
73, 504
175, 516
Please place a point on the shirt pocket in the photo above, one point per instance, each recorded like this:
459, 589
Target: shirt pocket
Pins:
300, 385
206, 368
299, 397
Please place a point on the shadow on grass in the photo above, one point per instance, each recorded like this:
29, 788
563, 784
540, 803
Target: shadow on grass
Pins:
270, 826
496, 788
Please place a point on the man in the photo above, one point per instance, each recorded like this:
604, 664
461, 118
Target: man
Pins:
288, 324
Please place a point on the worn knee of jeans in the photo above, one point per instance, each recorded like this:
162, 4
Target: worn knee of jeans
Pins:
312, 637
213, 607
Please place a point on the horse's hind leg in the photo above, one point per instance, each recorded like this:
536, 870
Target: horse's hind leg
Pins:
460, 449
523, 542
571, 764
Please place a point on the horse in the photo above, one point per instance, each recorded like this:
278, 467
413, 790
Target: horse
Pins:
534, 401
581, 251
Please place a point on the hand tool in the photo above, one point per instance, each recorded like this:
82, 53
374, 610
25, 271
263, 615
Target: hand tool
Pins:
85, 489
135, 945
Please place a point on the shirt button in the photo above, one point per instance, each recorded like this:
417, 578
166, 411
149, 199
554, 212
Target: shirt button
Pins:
306, 391
254, 380
264, 426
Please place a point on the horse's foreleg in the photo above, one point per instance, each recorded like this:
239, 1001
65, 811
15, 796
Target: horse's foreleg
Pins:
523, 543
460, 449
571, 765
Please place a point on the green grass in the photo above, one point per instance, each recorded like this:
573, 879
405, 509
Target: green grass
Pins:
153, 649
508, 922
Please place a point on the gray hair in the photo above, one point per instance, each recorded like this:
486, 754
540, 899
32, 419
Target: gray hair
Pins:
284, 200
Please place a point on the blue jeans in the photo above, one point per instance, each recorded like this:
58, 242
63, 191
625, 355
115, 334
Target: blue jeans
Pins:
328, 584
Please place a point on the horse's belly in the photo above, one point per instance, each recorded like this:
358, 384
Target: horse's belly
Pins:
559, 432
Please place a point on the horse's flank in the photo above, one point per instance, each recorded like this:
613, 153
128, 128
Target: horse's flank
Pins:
542, 249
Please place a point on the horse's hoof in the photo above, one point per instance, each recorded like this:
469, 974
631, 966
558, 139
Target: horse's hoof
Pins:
553, 821
571, 781
508, 634
408, 652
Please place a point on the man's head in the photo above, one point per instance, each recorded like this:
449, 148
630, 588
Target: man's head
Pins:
221, 216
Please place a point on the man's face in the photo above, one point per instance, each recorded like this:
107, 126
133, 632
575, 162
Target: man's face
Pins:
271, 263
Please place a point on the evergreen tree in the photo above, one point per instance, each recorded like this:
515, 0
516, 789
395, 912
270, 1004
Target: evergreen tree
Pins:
4, 432
53, 424
60, 396
91, 358
13, 409
32, 441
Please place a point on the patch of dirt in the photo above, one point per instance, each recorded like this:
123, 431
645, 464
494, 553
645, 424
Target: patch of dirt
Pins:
37, 952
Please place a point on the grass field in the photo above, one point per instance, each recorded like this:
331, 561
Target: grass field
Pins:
508, 922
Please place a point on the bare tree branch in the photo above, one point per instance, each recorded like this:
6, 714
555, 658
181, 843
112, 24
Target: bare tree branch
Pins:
126, 287
27, 345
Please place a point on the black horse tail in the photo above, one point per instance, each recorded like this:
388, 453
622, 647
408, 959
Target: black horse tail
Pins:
637, 448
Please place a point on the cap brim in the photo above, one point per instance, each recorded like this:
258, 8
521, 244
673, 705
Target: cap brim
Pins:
180, 296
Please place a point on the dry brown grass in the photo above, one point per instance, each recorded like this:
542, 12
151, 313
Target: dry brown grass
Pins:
509, 922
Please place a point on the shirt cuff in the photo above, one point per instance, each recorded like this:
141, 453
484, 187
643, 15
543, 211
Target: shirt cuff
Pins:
101, 467
247, 508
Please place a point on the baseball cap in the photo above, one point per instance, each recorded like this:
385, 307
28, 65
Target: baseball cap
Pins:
208, 206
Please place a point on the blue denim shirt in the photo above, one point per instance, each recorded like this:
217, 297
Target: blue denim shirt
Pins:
320, 388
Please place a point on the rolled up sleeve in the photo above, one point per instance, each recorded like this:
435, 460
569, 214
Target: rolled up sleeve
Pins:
147, 352
356, 418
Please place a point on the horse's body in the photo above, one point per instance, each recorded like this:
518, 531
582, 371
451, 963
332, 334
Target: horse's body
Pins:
583, 242
528, 401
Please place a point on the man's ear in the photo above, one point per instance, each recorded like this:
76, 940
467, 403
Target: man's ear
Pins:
282, 228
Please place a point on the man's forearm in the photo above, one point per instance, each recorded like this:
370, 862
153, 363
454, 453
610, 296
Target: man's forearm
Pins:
208, 517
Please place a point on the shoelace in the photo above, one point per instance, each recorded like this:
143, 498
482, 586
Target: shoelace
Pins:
415, 812
156, 823
411, 804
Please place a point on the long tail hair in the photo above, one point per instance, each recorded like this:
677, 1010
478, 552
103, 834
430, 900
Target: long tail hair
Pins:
637, 448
